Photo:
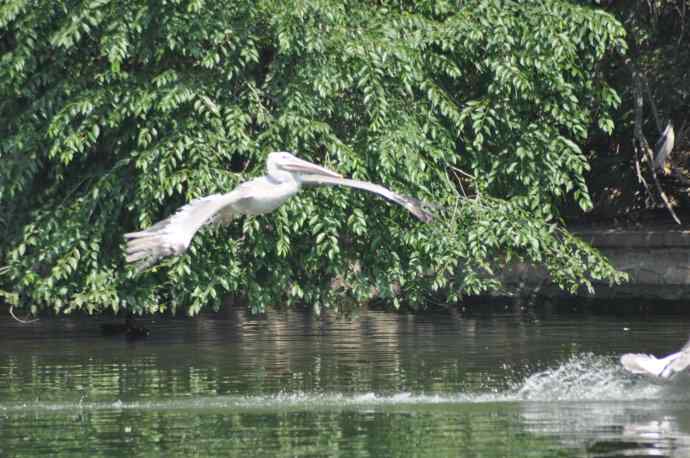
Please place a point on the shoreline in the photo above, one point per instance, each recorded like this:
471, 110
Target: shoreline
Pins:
657, 261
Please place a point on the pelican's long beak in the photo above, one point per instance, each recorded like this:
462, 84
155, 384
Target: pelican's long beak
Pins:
307, 168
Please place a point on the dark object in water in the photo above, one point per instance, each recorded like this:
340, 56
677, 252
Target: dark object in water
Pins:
128, 329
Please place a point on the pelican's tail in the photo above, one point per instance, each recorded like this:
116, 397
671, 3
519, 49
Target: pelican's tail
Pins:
145, 248
639, 363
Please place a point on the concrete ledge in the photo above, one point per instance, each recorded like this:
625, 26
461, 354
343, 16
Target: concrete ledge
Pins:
658, 263
635, 239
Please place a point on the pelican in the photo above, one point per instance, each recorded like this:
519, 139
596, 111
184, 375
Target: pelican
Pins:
285, 175
664, 146
666, 367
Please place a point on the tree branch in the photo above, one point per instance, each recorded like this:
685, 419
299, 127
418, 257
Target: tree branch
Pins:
19, 319
641, 141
652, 103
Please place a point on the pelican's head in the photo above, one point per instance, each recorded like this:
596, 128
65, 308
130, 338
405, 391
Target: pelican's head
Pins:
280, 163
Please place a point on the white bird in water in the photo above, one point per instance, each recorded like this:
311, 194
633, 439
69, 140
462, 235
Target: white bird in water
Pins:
666, 367
285, 175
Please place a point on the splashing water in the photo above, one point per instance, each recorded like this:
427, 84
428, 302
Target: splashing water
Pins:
590, 377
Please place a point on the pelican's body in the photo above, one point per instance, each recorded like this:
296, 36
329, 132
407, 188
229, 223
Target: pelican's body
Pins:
284, 178
666, 367
263, 195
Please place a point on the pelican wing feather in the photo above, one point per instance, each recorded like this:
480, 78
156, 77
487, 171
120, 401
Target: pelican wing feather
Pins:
171, 236
640, 363
414, 206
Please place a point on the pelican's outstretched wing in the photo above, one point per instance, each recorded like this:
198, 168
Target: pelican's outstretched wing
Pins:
414, 206
639, 363
171, 236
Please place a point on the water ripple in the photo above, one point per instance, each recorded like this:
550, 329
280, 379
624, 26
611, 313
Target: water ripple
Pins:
583, 377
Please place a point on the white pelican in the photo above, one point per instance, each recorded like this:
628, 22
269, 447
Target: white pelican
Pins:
666, 367
664, 146
285, 175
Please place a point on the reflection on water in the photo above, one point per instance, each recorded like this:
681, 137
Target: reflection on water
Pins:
497, 384
615, 413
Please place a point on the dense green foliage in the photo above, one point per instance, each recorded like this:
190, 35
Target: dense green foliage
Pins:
112, 116
658, 43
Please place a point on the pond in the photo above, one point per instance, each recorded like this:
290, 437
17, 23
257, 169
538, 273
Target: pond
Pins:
493, 382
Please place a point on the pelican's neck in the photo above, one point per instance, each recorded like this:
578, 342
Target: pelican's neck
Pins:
284, 183
282, 177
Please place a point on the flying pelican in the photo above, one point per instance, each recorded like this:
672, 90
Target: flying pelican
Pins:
285, 175
666, 367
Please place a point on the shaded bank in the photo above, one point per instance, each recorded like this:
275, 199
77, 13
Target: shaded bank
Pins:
657, 261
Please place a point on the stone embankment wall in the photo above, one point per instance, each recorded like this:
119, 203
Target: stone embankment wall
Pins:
658, 263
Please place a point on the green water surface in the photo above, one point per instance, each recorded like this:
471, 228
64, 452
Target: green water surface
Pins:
499, 384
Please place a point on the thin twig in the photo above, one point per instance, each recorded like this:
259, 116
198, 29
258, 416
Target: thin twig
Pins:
468, 175
681, 13
650, 158
462, 188
19, 319
640, 178
639, 103
655, 113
